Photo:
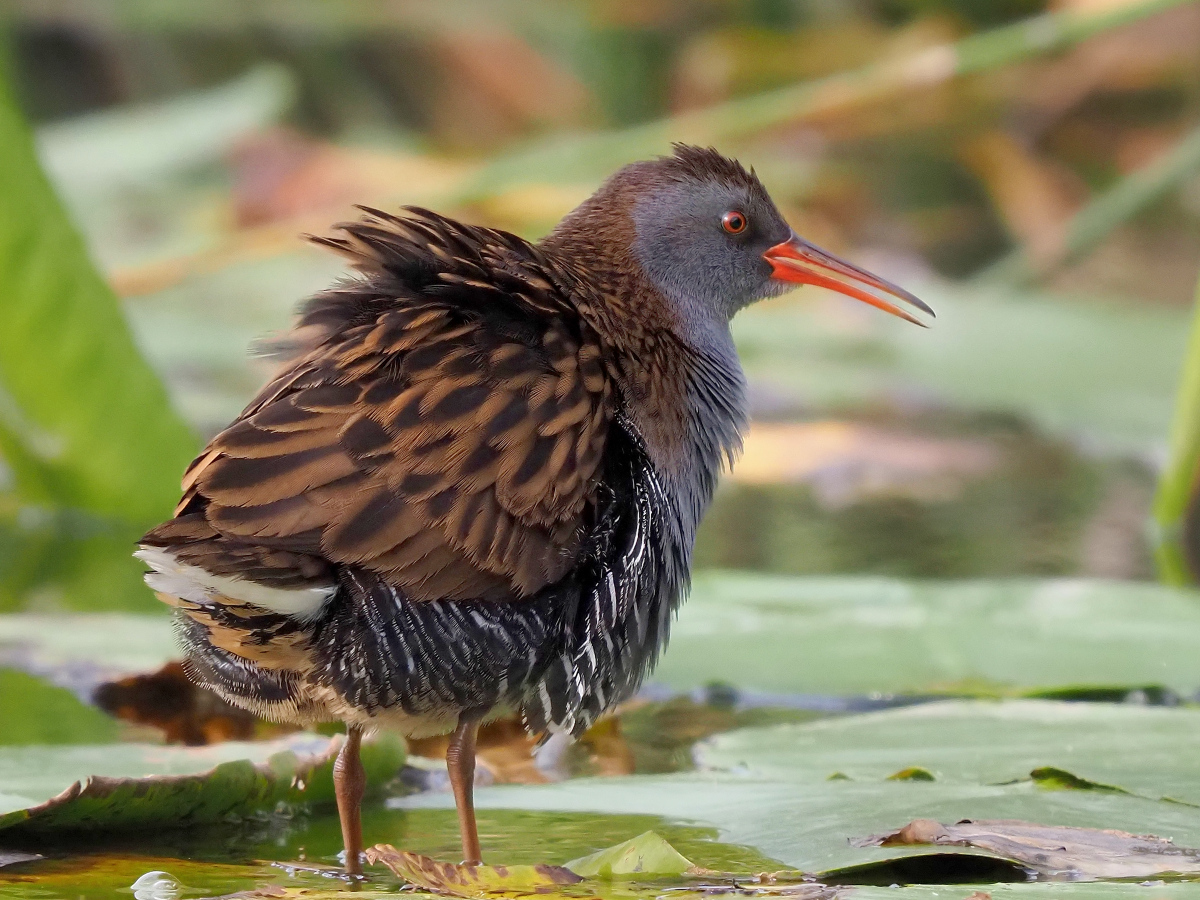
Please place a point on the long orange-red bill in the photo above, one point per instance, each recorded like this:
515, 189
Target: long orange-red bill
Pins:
799, 262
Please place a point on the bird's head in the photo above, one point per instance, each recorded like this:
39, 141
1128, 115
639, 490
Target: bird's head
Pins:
707, 235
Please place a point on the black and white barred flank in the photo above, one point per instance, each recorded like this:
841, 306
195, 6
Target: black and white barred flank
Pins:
631, 589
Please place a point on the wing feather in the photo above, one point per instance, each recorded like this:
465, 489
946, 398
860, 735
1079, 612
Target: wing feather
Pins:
445, 433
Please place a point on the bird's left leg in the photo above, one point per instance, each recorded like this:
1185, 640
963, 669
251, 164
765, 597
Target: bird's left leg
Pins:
460, 764
349, 783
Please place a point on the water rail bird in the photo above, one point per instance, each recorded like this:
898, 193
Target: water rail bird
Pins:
474, 485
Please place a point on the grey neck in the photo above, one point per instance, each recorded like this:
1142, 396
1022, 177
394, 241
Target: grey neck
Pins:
715, 418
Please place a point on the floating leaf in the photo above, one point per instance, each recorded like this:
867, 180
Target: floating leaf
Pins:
135, 786
912, 773
1053, 850
1051, 778
1118, 747
768, 788
859, 636
646, 854
471, 880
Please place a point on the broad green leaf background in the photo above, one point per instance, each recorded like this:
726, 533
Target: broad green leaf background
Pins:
84, 421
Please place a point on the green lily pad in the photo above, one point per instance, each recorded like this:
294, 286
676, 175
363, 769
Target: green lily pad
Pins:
848, 636
138, 786
772, 791
646, 854
1142, 750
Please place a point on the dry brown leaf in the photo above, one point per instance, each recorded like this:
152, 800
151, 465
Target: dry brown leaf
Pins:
471, 880
185, 712
1077, 853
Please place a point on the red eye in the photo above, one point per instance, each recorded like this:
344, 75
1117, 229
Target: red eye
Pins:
733, 222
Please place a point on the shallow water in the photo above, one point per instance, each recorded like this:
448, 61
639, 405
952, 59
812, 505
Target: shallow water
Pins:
218, 862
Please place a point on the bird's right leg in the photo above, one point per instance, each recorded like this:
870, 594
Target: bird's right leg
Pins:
349, 783
460, 765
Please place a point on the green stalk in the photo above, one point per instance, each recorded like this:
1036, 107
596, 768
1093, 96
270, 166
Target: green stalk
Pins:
585, 158
1178, 483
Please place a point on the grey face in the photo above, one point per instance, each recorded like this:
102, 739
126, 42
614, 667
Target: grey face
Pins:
702, 244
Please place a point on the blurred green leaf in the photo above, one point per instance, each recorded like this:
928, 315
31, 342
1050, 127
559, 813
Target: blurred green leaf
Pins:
1099, 372
62, 559
84, 421
1107, 212
36, 712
